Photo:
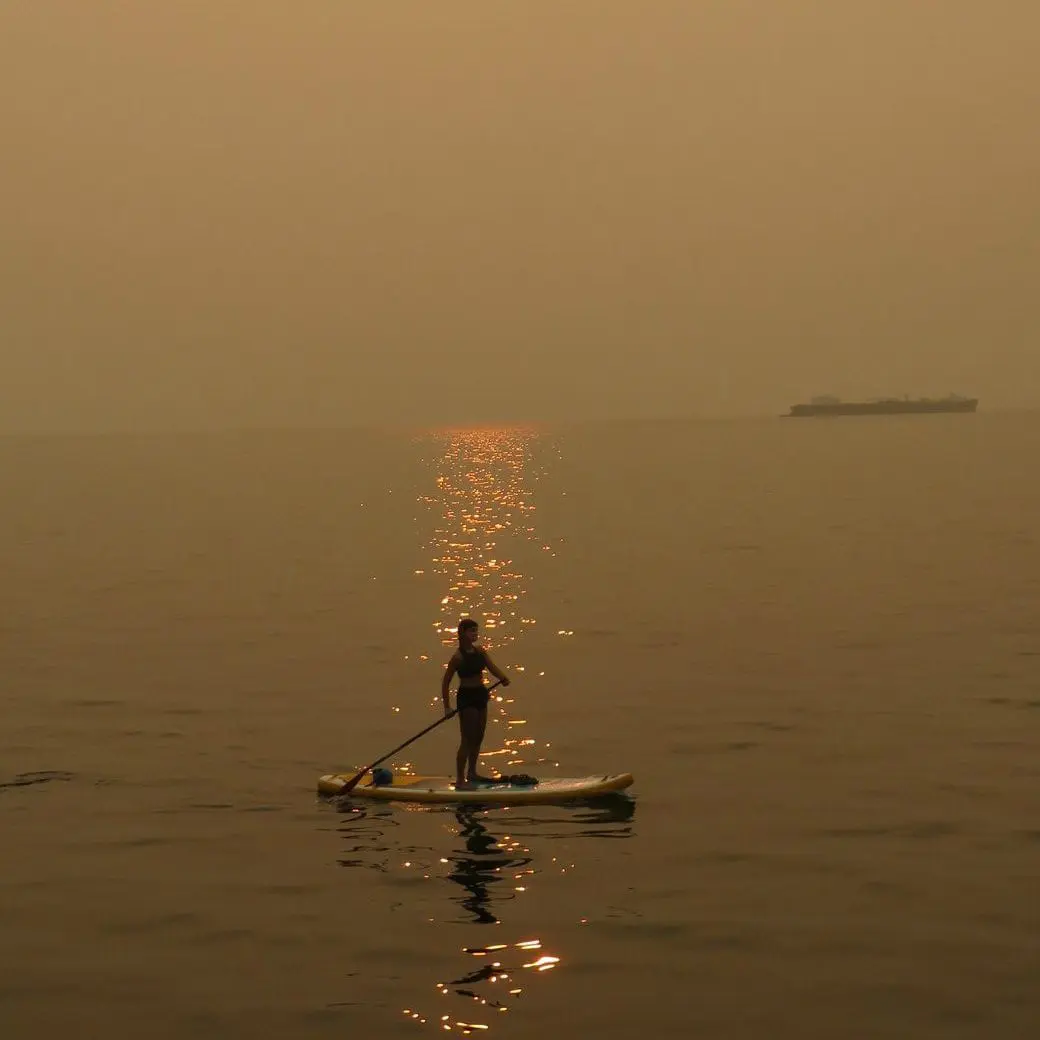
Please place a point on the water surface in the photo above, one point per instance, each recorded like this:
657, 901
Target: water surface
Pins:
815, 644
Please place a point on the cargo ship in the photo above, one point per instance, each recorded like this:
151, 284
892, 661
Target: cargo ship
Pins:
824, 406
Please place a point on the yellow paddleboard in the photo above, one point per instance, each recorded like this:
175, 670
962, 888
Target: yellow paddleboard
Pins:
442, 789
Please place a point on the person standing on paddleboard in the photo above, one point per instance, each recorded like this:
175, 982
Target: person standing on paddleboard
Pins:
471, 700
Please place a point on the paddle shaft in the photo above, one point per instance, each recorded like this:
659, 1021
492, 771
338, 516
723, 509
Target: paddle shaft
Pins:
353, 781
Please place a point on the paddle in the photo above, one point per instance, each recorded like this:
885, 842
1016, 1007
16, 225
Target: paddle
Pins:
353, 781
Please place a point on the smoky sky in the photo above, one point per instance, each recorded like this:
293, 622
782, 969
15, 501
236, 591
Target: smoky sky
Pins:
332, 212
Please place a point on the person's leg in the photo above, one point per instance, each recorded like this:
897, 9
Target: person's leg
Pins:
463, 753
476, 738
471, 731
472, 721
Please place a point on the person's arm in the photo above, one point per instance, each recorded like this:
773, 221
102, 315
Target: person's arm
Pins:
446, 683
495, 670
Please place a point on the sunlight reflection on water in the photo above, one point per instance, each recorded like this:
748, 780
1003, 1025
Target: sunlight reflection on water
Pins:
483, 505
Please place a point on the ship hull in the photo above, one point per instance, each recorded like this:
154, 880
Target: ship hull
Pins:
893, 407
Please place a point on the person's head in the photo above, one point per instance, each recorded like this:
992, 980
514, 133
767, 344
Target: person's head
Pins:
468, 630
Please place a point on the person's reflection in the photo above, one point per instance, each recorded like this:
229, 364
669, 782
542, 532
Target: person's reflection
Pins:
487, 863
489, 869
492, 870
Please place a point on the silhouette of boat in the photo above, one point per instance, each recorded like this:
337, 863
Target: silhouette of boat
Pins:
827, 405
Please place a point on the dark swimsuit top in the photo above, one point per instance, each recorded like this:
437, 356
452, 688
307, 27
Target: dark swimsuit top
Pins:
471, 664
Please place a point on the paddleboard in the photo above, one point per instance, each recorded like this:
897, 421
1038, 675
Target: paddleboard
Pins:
442, 789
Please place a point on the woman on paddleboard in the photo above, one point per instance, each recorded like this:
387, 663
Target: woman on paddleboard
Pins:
471, 700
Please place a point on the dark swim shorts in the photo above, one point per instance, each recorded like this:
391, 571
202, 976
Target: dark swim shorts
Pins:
472, 697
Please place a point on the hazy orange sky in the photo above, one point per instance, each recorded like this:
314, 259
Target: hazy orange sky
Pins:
262, 213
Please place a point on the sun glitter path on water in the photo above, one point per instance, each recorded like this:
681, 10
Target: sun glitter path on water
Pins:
484, 509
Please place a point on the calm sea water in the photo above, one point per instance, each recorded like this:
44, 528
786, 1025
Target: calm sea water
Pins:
815, 644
